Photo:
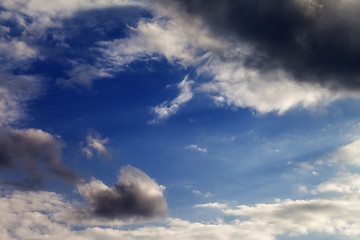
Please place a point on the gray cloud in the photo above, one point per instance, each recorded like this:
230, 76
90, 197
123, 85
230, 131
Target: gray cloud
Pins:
314, 41
29, 150
134, 196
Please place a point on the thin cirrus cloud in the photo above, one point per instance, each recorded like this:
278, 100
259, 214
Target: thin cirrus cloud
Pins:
166, 109
196, 147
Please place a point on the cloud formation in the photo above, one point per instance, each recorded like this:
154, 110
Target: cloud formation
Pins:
289, 57
166, 109
196, 147
314, 41
94, 142
134, 196
35, 215
30, 150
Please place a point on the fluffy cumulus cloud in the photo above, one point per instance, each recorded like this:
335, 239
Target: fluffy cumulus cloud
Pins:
343, 183
348, 154
134, 196
28, 150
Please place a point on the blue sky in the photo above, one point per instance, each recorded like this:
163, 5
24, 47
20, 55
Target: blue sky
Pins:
169, 119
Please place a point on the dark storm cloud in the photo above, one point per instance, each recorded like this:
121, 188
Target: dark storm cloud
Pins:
314, 40
134, 196
30, 150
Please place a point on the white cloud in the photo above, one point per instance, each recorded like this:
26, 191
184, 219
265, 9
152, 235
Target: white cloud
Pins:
196, 192
303, 189
164, 110
15, 90
301, 217
94, 143
196, 147
348, 155
274, 91
343, 183
34, 215
212, 205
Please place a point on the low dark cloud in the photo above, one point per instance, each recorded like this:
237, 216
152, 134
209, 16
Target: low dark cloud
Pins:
31, 150
134, 196
314, 40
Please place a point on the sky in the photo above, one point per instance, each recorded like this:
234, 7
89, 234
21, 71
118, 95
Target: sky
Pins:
169, 119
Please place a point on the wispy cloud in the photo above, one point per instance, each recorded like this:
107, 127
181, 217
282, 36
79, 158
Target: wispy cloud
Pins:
166, 109
196, 147
94, 143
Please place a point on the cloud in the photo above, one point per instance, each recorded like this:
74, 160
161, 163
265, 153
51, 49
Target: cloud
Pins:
301, 217
343, 183
299, 37
15, 89
29, 149
189, 40
94, 142
35, 215
348, 154
212, 205
134, 196
196, 147
38, 214
245, 67
166, 109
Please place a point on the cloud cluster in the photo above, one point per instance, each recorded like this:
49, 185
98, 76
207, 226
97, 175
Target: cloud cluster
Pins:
37, 215
30, 150
288, 57
137, 196
134, 196
239, 70
300, 37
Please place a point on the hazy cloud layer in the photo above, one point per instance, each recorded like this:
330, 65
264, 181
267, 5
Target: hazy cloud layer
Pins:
29, 150
134, 196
